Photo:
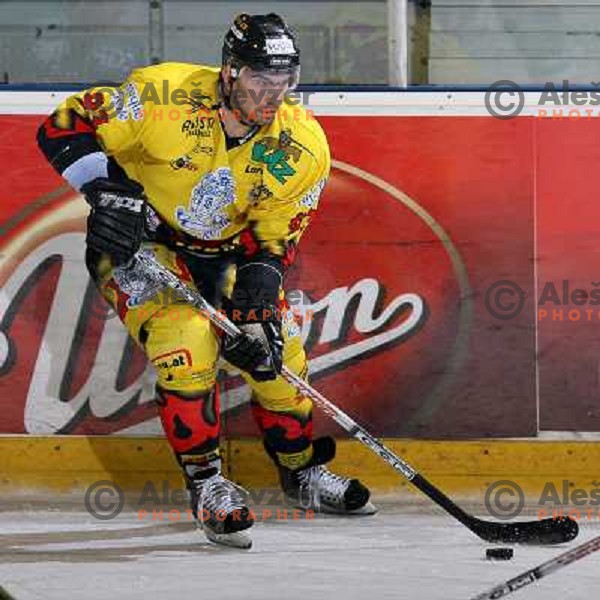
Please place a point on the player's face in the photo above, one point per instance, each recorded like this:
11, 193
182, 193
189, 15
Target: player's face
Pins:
258, 94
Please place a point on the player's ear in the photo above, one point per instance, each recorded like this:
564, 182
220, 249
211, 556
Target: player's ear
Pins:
226, 75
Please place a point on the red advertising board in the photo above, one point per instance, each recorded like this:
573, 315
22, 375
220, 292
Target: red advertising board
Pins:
421, 219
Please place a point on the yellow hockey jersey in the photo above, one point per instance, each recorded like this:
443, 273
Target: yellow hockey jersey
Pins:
162, 126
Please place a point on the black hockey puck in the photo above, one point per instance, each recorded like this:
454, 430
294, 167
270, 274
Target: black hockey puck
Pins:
499, 553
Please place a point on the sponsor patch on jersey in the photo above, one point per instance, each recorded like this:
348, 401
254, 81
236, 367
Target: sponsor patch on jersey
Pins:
181, 357
311, 199
275, 154
206, 218
199, 126
127, 104
183, 162
258, 193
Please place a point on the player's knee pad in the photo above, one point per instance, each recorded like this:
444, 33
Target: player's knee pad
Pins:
183, 347
287, 433
282, 414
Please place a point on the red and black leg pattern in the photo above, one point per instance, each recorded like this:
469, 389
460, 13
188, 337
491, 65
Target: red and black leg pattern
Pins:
287, 435
191, 424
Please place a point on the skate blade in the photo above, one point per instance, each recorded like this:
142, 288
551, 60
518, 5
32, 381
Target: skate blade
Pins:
364, 511
368, 509
237, 539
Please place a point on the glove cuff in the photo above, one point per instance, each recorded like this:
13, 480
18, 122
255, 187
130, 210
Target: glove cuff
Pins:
93, 189
258, 281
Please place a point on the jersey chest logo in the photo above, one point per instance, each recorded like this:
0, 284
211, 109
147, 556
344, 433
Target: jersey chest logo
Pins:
205, 217
276, 154
199, 126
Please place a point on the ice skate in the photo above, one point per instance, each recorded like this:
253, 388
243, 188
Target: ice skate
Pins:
316, 488
220, 509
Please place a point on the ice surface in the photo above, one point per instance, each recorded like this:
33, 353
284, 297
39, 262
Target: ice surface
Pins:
59, 555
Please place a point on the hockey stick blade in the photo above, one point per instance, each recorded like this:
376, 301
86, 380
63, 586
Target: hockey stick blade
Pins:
539, 533
544, 532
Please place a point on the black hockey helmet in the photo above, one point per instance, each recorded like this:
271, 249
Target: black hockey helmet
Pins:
262, 43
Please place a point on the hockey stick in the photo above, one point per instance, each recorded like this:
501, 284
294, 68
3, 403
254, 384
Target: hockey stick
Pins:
562, 560
4, 595
547, 531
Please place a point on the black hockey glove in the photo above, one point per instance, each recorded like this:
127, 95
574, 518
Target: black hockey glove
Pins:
259, 349
116, 221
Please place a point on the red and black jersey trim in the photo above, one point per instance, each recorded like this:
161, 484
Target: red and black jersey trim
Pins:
66, 143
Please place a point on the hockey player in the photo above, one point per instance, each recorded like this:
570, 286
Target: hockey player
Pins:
216, 173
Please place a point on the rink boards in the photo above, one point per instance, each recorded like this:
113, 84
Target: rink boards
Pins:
450, 251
